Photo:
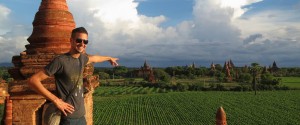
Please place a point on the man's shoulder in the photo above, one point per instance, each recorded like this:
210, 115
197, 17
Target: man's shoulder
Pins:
60, 58
85, 55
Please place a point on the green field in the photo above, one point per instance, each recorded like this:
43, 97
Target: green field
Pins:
123, 90
292, 82
117, 107
198, 108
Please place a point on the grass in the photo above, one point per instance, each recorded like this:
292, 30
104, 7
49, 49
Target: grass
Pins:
123, 90
199, 108
142, 106
292, 82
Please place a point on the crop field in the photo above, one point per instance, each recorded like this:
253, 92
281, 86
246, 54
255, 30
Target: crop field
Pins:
197, 108
123, 90
292, 82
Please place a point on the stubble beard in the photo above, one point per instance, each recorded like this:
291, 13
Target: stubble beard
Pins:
80, 49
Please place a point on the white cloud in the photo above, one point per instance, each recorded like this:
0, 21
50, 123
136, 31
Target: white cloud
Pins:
123, 29
236, 6
211, 20
279, 35
13, 42
137, 38
4, 18
4, 12
216, 33
12, 37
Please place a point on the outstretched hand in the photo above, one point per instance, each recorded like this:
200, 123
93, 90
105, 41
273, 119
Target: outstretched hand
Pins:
113, 61
63, 106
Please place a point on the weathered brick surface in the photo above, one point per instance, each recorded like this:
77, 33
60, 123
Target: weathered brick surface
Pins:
21, 86
90, 82
24, 111
88, 103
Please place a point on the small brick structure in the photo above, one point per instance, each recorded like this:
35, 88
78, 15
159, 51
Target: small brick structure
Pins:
3, 91
52, 27
221, 117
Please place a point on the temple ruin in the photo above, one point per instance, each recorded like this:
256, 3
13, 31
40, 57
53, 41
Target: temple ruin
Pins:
146, 72
50, 37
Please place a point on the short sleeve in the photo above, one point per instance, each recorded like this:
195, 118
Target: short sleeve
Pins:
53, 67
85, 59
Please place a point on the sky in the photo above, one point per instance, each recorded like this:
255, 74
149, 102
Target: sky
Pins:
171, 32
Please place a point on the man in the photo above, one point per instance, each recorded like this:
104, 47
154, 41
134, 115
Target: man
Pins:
68, 72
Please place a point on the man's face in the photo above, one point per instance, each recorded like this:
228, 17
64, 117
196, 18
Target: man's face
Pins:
78, 43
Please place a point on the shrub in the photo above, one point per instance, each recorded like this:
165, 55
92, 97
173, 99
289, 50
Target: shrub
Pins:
221, 87
182, 87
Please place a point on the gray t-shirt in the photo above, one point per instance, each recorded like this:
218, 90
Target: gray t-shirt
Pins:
68, 72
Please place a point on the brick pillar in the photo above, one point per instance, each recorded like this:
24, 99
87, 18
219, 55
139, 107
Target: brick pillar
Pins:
52, 27
221, 117
90, 83
25, 111
88, 103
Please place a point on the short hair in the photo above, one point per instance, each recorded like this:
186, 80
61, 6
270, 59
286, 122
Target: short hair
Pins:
78, 30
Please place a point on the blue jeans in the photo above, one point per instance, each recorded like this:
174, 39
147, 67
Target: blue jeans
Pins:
73, 121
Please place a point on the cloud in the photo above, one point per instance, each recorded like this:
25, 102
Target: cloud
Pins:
4, 12
219, 30
12, 37
215, 33
271, 35
130, 35
236, 6
120, 31
4, 18
13, 42
211, 20
252, 38
140, 1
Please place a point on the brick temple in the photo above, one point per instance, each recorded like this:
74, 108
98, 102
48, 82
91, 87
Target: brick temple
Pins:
50, 37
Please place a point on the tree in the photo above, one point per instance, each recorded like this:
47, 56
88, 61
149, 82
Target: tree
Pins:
171, 71
255, 70
182, 87
245, 69
268, 79
244, 78
201, 71
220, 76
120, 70
161, 75
4, 74
218, 67
103, 75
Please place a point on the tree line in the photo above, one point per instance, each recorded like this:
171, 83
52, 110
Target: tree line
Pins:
255, 75
239, 74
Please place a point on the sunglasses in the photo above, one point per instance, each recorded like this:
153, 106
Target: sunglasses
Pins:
78, 40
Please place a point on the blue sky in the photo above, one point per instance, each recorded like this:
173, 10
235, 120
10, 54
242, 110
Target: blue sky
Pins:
172, 32
175, 10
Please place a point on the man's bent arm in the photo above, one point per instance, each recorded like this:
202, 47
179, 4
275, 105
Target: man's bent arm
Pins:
98, 59
35, 83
